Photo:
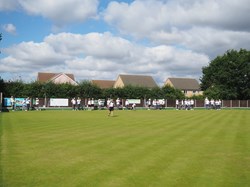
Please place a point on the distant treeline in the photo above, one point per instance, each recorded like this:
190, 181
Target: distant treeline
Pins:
86, 90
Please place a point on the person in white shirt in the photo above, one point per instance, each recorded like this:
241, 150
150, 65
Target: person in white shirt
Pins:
127, 104
162, 103
154, 103
186, 104
108, 102
99, 104
24, 106
182, 104
149, 104
177, 104
12, 102
192, 104
89, 103
37, 104
73, 101
111, 108
206, 103
219, 103
133, 106
118, 103
212, 104
78, 102
27, 104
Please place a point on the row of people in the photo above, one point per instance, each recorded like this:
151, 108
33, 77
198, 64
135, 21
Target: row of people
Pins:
25, 104
100, 103
213, 104
186, 104
76, 103
111, 105
155, 104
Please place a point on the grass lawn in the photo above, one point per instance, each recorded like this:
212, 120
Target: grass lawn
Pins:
133, 148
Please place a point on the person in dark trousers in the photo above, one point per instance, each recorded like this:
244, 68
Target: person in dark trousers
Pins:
111, 108
13, 103
27, 104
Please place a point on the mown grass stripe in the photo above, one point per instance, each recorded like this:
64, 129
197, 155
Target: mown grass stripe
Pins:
134, 148
149, 156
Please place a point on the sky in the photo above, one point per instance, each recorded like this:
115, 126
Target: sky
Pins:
100, 39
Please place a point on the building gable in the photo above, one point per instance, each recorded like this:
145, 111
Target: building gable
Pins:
103, 83
62, 78
183, 83
135, 80
57, 78
188, 86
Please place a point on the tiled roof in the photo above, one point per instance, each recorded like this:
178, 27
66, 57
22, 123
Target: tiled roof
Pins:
138, 80
103, 83
44, 77
185, 83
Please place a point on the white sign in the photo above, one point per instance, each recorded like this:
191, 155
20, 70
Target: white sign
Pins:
136, 101
59, 102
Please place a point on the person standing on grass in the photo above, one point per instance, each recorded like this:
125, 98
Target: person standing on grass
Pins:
99, 104
24, 105
192, 104
108, 102
162, 103
149, 103
111, 108
37, 104
78, 102
212, 104
118, 103
12, 102
89, 103
219, 104
73, 101
133, 106
206, 103
177, 104
127, 104
28, 104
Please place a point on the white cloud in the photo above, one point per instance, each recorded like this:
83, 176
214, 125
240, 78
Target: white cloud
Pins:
99, 56
8, 5
92, 44
10, 28
210, 41
210, 27
30, 55
143, 16
61, 12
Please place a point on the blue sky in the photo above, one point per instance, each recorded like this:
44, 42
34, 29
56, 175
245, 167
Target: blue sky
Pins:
100, 39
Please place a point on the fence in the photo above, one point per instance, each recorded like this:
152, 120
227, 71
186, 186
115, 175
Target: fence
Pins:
225, 103
168, 103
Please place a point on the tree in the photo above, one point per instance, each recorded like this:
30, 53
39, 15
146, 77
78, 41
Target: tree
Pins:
172, 93
2, 85
228, 76
88, 90
16, 89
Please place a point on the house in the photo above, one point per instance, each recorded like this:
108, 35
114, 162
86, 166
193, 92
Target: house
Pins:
103, 84
58, 78
188, 86
135, 80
